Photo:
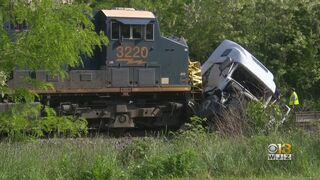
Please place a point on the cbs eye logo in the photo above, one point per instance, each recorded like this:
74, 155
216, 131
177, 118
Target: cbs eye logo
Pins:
280, 148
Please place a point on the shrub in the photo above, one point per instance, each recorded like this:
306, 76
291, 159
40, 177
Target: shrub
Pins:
192, 130
101, 170
24, 121
262, 119
136, 151
181, 164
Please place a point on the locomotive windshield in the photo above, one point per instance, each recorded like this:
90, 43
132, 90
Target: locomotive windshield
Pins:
136, 31
125, 31
128, 31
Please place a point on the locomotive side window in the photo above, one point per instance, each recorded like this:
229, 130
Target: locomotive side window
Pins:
115, 30
136, 31
125, 30
149, 32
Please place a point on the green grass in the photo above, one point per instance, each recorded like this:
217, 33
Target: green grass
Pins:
204, 157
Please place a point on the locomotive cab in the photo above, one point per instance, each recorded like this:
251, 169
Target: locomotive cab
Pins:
137, 55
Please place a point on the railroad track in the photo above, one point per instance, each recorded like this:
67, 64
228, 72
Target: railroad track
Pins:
134, 132
308, 120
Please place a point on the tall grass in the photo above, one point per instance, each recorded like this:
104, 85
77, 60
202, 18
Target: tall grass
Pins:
210, 156
234, 150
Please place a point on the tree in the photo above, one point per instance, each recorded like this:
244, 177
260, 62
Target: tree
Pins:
56, 36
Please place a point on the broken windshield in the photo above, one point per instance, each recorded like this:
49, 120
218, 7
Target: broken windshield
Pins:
251, 83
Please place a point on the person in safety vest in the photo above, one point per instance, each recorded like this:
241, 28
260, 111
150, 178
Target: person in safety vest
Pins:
294, 100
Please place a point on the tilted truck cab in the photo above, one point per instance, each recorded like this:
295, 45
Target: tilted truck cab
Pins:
230, 73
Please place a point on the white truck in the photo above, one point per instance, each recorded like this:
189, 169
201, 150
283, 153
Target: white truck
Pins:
231, 77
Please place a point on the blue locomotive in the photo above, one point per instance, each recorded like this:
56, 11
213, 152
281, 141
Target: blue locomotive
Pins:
140, 79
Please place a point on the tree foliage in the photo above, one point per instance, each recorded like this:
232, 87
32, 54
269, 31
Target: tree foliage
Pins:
56, 36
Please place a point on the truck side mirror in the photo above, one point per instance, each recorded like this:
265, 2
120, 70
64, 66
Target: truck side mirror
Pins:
227, 62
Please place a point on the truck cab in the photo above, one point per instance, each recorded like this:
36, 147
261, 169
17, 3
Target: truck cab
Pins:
232, 73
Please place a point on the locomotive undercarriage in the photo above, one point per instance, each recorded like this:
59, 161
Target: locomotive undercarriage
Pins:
121, 110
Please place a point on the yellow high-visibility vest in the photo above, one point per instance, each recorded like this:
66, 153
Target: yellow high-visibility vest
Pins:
294, 99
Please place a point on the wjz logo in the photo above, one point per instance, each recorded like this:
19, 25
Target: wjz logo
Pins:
279, 152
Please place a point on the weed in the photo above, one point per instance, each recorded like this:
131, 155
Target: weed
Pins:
264, 119
101, 169
24, 122
135, 151
181, 164
192, 130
